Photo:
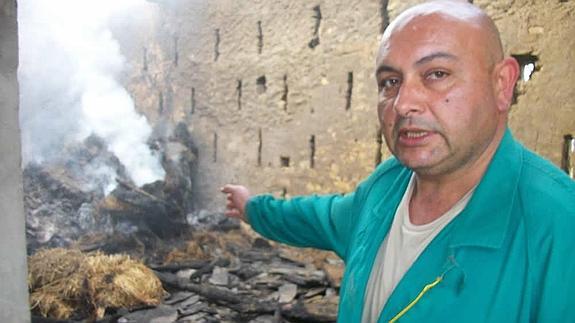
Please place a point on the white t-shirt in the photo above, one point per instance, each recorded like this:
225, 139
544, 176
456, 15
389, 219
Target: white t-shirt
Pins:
403, 244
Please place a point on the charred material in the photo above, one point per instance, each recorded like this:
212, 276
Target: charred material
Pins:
87, 192
141, 210
253, 284
60, 196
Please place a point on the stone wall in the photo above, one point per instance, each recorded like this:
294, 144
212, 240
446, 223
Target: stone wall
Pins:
280, 95
13, 273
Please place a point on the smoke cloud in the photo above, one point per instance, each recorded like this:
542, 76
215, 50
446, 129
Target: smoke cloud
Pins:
69, 69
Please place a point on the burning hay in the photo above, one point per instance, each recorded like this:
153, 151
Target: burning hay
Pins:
88, 191
66, 283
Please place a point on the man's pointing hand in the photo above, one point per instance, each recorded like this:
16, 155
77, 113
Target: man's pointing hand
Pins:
237, 196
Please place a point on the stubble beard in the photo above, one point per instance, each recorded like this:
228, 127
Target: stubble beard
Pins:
395, 149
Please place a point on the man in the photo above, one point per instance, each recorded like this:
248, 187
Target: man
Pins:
463, 224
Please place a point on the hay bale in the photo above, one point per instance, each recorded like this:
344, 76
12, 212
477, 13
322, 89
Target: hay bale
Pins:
117, 281
65, 283
49, 266
51, 305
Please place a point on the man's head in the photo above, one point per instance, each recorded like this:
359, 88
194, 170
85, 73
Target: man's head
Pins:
444, 87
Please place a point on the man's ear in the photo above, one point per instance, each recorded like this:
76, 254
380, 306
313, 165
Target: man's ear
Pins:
505, 75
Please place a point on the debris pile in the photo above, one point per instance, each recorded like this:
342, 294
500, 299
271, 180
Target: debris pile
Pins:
213, 276
235, 277
143, 254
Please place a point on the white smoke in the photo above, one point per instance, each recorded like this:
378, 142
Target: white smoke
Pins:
69, 69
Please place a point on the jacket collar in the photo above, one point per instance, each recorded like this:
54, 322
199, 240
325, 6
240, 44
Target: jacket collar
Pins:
485, 220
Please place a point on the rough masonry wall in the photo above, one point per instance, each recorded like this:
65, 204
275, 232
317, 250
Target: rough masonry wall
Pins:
280, 95
13, 272
545, 111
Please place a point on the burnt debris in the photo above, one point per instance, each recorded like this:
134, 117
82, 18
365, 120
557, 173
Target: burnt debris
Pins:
230, 276
210, 268
87, 192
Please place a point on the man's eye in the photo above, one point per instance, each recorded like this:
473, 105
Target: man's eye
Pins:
388, 84
436, 75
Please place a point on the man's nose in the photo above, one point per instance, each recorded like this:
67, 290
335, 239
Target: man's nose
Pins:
410, 99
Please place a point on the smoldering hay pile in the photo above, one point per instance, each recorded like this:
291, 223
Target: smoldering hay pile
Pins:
71, 199
142, 253
82, 133
66, 206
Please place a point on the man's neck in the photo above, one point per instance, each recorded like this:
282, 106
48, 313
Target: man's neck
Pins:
431, 199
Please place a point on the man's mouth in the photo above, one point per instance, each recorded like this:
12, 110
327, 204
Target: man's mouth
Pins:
414, 134
412, 137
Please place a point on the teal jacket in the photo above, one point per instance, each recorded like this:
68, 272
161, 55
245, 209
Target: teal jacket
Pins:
509, 256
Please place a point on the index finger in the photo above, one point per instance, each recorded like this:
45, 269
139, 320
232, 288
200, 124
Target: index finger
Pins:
228, 188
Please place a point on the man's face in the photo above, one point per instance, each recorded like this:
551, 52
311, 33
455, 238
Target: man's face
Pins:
436, 97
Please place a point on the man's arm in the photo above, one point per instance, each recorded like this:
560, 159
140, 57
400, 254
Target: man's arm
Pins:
323, 222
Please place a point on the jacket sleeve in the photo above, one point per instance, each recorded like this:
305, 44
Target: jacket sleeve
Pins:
323, 222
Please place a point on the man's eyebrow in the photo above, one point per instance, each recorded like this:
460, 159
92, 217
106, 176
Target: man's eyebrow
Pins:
433, 56
385, 68
426, 59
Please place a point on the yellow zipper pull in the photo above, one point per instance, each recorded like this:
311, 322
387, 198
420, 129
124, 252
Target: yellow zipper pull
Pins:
410, 305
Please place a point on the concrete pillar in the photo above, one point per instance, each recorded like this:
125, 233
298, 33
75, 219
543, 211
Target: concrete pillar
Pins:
13, 287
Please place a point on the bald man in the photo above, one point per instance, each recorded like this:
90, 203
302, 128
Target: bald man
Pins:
463, 224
